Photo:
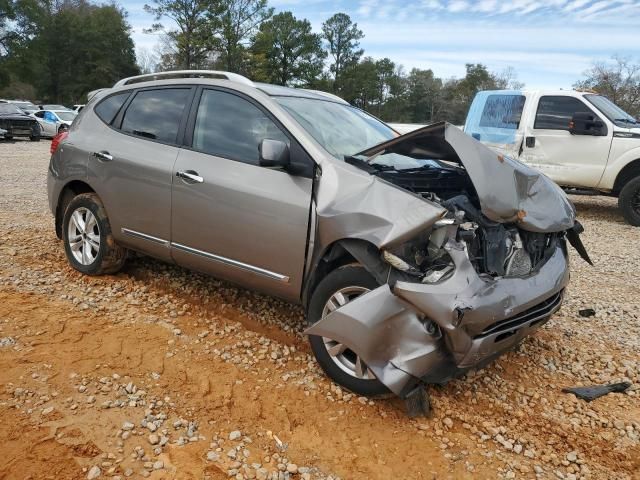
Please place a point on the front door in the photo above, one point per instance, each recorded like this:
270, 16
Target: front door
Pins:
230, 217
570, 160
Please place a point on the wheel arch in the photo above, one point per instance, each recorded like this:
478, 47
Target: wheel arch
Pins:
343, 252
68, 192
630, 171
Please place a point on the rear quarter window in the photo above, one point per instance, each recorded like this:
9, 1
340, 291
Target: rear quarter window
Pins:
156, 114
502, 111
108, 108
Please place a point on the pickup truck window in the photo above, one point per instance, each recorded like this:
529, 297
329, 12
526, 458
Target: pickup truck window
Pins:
555, 112
502, 111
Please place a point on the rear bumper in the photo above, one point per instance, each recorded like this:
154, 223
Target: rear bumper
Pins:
478, 319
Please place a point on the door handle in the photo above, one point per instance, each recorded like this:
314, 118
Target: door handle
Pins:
190, 176
104, 156
530, 142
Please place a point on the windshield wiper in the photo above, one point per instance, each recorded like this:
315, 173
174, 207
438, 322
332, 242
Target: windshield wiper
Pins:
626, 120
372, 168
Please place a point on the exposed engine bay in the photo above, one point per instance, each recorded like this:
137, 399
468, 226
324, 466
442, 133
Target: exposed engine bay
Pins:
494, 248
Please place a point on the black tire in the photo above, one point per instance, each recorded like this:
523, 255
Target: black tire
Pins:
8, 137
343, 277
110, 257
629, 201
34, 138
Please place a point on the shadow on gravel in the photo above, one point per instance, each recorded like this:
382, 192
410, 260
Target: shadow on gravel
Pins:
262, 314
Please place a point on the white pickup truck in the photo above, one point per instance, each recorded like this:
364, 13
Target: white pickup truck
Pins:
581, 140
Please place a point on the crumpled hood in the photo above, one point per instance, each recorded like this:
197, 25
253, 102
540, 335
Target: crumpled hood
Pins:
508, 190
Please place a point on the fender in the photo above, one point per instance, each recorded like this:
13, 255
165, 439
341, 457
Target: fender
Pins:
631, 148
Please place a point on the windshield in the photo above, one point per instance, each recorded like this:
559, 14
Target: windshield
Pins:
611, 110
341, 129
7, 108
66, 116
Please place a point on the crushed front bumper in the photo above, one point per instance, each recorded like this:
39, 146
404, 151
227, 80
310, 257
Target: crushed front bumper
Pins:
478, 317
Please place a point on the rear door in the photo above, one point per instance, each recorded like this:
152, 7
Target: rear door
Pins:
239, 221
570, 160
131, 162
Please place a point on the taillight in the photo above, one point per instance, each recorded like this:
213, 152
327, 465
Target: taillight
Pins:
56, 141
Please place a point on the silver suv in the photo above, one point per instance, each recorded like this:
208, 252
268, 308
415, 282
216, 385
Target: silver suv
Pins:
416, 257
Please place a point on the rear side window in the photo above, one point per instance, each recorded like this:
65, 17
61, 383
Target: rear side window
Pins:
555, 112
109, 107
231, 127
502, 111
156, 114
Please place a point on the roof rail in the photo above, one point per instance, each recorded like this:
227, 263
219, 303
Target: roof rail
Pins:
93, 93
331, 96
233, 77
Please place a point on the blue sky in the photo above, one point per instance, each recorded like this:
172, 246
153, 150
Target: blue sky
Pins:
549, 43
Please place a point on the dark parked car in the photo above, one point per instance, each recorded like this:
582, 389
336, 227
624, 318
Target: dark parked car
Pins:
17, 123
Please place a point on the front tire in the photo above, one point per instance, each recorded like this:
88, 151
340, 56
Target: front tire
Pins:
629, 202
34, 138
341, 364
88, 241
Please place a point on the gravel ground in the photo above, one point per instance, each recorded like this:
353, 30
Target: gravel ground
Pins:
158, 372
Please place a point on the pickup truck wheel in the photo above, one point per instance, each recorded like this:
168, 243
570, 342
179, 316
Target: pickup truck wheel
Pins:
629, 201
340, 363
88, 241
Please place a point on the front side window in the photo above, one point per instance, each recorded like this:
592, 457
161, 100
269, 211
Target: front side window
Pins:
108, 108
231, 127
156, 114
502, 111
556, 112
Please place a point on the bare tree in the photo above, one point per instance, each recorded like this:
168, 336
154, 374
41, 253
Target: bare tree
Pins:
619, 80
147, 61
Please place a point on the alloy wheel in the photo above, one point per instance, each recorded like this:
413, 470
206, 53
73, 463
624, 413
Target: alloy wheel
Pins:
346, 359
84, 236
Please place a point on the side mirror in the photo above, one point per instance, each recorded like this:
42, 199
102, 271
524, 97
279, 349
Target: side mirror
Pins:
584, 123
274, 154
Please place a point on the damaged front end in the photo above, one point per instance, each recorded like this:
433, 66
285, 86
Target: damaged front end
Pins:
478, 264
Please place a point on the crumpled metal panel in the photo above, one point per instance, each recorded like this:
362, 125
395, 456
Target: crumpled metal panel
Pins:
387, 334
353, 204
509, 191
386, 328
464, 304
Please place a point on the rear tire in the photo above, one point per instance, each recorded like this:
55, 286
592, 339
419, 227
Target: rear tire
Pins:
88, 241
629, 201
354, 278
34, 138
